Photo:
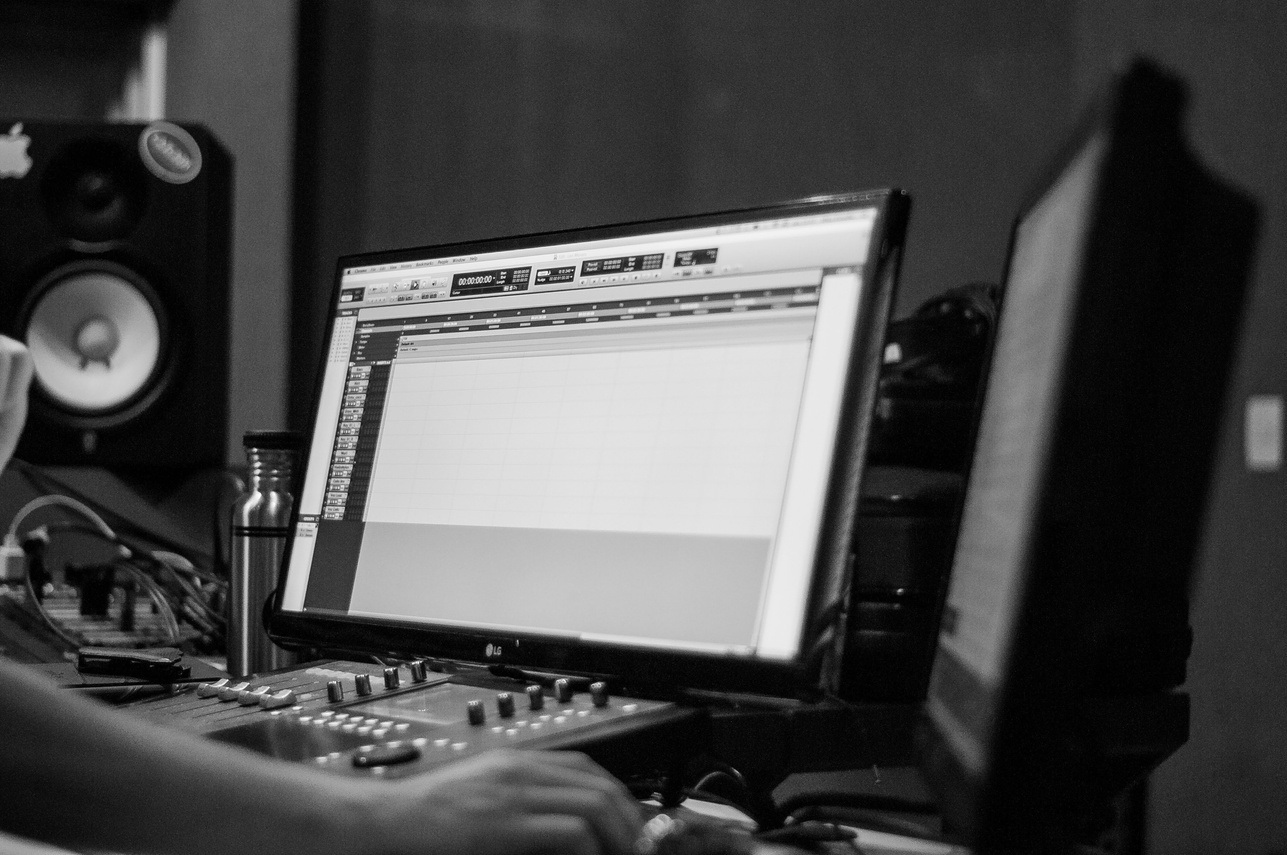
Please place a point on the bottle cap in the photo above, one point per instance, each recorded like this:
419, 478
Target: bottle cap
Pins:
283, 440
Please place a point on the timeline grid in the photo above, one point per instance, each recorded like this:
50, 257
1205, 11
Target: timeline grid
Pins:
680, 440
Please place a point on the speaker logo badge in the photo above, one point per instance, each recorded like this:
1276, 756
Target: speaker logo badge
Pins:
169, 152
14, 160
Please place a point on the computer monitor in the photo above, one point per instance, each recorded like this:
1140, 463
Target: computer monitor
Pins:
1084, 503
629, 451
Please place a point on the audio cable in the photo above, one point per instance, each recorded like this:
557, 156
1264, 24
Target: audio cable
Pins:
163, 576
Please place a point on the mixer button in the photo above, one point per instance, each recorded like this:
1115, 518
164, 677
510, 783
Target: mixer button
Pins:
362, 682
563, 690
505, 704
476, 712
402, 727
391, 678
599, 693
441, 743
277, 700
535, 697
385, 755
459, 746
630, 708
335, 691
211, 690
230, 693
250, 697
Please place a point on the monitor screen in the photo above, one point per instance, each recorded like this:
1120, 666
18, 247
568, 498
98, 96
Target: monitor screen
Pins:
625, 439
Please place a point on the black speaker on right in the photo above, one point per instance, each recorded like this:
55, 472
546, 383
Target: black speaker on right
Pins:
114, 271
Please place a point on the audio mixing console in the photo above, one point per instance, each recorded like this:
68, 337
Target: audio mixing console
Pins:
392, 721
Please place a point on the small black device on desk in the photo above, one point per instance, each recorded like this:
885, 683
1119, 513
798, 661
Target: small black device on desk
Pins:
154, 666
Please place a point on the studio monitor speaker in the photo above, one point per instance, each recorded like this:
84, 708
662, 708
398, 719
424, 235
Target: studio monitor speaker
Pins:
114, 265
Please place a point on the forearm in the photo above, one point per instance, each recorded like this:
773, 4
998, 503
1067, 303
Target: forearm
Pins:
77, 773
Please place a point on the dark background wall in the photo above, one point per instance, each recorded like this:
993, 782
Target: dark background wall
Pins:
232, 67
453, 120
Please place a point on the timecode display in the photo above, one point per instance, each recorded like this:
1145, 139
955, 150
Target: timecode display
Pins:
490, 281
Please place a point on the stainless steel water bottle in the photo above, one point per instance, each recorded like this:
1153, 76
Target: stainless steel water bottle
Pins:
260, 520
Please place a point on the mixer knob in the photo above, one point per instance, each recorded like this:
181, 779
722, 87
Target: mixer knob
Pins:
335, 691
476, 711
505, 704
535, 697
388, 754
599, 693
418, 671
563, 690
391, 679
363, 684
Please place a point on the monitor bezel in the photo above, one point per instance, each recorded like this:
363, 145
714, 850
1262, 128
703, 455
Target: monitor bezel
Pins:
650, 671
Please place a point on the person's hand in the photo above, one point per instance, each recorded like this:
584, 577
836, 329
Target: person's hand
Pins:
510, 803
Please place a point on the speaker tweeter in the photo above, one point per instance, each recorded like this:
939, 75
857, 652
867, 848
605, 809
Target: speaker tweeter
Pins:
95, 190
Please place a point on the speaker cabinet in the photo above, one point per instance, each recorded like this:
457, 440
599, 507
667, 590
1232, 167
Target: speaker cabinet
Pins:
114, 271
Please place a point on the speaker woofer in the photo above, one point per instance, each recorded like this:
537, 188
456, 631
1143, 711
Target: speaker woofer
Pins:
97, 334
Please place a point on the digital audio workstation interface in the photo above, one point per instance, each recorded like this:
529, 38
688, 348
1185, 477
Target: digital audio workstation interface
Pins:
626, 440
